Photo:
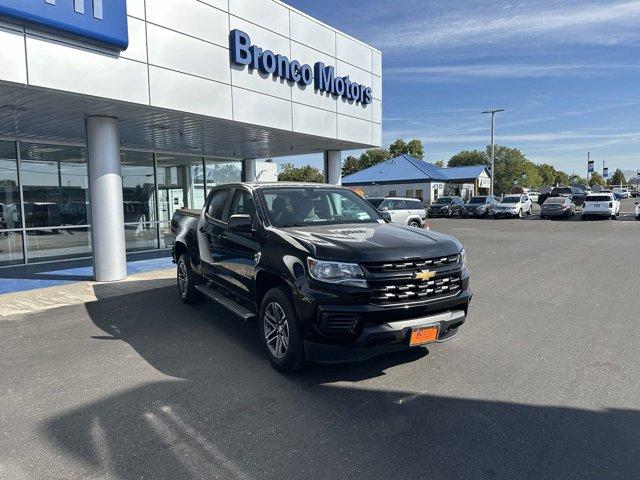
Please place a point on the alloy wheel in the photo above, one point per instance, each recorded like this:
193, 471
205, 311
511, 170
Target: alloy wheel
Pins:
276, 330
183, 279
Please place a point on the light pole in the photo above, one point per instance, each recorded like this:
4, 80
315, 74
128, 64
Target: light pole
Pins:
493, 125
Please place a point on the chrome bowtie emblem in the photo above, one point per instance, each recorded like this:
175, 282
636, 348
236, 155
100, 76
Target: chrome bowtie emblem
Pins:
424, 275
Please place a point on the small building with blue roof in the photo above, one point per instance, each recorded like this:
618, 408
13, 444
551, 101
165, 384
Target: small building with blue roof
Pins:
406, 176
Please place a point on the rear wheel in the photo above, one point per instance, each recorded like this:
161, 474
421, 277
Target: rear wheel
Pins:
187, 280
414, 223
280, 333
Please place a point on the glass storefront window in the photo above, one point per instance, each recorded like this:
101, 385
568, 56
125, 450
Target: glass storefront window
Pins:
58, 243
55, 185
138, 187
10, 212
11, 248
220, 172
166, 237
141, 236
180, 184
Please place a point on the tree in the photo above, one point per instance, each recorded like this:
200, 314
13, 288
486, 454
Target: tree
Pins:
510, 164
577, 179
617, 178
548, 174
290, 173
469, 157
596, 179
350, 165
413, 148
439, 163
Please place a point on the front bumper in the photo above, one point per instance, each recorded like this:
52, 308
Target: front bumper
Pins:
384, 329
505, 213
385, 338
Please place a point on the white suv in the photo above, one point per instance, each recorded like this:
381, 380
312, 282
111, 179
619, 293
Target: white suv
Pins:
600, 205
406, 211
513, 206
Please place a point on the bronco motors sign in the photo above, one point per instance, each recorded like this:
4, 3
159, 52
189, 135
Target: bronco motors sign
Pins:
99, 21
323, 77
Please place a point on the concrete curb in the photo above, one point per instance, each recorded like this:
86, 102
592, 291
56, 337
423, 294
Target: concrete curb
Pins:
20, 303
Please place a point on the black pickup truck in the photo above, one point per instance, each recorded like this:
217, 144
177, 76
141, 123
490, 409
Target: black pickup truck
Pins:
326, 277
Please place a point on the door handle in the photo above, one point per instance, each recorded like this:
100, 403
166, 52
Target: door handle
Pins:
222, 238
202, 230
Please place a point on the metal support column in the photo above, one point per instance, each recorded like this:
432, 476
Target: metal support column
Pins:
105, 185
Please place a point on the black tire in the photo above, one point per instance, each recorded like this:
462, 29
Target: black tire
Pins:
542, 216
414, 224
292, 359
187, 281
583, 217
614, 217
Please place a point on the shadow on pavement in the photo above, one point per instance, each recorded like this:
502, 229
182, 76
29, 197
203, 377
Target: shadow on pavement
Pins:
227, 414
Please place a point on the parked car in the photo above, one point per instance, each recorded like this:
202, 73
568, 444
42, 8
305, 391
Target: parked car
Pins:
558, 207
513, 206
325, 283
625, 193
479, 207
635, 193
555, 192
446, 206
533, 195
601, 205
637, 211
406, 211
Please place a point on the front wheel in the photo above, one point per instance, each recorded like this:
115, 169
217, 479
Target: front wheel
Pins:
280, 333
414, 224
187, 281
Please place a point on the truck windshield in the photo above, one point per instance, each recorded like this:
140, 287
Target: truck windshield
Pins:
298, 206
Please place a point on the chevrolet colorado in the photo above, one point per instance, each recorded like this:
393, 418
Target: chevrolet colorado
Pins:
326, 277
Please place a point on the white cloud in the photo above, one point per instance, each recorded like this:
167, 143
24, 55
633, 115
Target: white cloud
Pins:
592, 23
516, 70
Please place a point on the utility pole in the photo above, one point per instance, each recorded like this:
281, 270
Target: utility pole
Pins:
493, 125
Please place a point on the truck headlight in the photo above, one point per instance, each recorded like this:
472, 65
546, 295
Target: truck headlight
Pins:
336, 272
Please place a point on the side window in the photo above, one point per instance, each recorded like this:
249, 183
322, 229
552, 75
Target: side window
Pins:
400, 205
416, 205
243, 204
387, 203
217, 203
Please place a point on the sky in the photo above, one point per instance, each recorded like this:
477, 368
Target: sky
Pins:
567, 72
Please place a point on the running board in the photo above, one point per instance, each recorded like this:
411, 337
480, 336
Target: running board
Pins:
226, 302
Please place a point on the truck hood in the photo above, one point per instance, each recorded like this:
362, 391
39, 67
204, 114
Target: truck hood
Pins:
371, 242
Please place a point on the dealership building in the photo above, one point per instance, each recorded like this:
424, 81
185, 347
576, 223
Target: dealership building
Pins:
113, 113
406, 176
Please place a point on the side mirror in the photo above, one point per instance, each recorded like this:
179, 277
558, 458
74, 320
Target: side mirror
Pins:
240, 223
384, 209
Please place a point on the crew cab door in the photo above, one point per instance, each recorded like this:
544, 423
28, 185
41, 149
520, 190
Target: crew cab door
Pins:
236, 266
210, 229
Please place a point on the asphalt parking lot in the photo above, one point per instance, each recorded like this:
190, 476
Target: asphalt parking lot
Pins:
543, 382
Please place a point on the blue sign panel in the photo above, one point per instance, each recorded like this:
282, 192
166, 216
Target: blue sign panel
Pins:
605, 172
100, 21
321, 76
590, 166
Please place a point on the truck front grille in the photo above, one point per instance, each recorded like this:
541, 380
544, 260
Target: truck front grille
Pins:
411, 265
412, 291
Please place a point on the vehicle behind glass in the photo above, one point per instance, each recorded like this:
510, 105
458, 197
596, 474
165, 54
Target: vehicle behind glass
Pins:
405, 211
